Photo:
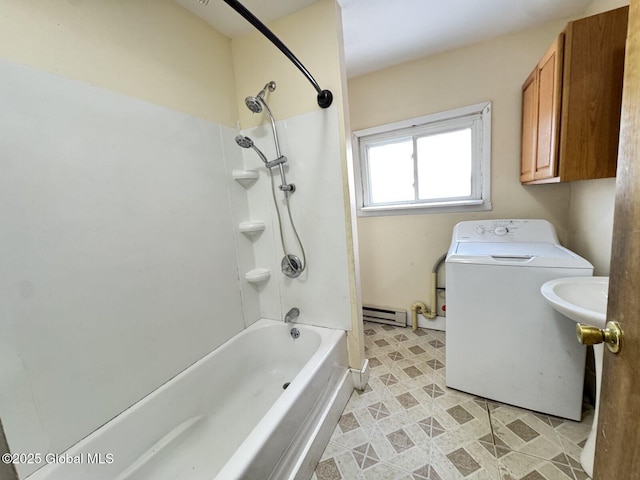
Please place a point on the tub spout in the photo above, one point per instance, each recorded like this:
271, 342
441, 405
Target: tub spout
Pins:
292, 315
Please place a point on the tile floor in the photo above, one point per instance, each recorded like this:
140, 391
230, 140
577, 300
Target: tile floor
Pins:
407, 425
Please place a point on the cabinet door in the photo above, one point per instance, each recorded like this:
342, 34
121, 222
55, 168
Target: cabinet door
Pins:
549, 77
529, 127
594, 55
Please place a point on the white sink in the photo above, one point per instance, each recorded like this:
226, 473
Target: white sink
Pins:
582, 299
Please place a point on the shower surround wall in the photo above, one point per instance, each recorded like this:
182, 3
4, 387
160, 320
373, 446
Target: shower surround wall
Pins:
314, 142
119, 254
312, 148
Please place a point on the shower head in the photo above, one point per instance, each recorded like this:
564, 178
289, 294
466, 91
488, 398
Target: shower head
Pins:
246, 142
255, 103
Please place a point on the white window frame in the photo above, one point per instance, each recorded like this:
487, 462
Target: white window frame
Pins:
477, 117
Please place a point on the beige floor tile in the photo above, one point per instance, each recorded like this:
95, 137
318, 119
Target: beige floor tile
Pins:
466, 418
525, 432
382, 471
517, 466
408, 424
336, 457
456, 457
352, 438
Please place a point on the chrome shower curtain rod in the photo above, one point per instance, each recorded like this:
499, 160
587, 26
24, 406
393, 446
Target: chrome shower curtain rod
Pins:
325, 97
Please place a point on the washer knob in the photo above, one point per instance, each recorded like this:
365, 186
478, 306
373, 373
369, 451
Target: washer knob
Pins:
500, 231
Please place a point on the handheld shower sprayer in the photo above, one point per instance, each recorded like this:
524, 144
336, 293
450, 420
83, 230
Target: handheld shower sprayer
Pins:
246, 142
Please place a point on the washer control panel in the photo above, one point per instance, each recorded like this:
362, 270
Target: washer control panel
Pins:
509, 230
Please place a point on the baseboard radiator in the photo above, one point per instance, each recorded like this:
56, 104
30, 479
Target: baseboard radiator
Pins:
388, 315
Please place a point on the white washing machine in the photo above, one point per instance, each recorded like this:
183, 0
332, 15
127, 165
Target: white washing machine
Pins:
504, 342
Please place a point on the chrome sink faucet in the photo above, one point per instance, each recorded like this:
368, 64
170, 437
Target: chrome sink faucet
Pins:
292, 315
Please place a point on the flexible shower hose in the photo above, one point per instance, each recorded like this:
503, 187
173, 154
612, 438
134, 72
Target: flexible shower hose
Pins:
293, 227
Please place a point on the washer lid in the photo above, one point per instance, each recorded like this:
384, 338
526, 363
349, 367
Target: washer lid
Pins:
516, 254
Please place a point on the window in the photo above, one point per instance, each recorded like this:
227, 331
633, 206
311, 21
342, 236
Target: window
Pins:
436, 163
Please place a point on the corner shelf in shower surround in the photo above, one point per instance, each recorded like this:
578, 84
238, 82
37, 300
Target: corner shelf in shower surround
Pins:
257, 275
252, 227
246, 178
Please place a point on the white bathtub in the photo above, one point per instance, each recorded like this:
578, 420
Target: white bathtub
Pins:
227, 416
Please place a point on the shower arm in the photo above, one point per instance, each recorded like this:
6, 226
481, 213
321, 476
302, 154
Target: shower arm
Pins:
325, 97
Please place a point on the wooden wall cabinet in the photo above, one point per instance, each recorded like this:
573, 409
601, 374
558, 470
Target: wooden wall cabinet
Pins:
571, 103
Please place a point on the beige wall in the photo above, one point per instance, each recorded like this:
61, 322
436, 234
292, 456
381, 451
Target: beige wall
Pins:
311, 35
592, 201
150, 49
397, 253
591, 221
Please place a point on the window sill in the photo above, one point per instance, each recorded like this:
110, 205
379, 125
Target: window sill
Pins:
425, 209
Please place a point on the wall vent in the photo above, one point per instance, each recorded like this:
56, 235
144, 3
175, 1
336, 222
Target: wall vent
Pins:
388, 315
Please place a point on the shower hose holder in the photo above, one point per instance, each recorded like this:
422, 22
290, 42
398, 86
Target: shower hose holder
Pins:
278, 161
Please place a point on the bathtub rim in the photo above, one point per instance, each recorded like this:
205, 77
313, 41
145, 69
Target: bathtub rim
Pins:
318, 418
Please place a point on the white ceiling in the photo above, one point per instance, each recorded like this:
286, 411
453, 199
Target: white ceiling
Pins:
382, 33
